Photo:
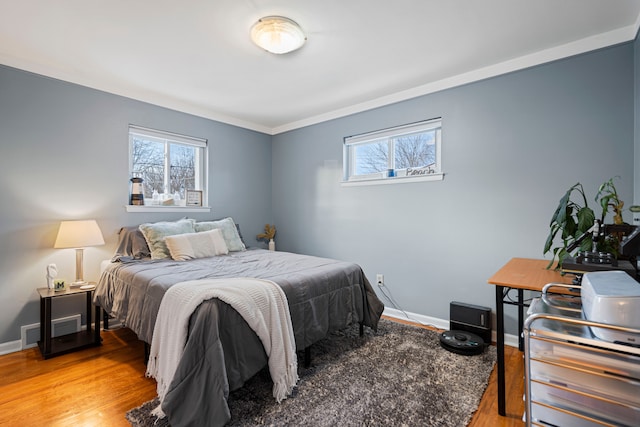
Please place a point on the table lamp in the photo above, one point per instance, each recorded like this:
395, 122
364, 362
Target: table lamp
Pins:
78, 235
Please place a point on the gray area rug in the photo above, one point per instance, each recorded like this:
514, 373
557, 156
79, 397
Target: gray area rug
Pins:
397, 376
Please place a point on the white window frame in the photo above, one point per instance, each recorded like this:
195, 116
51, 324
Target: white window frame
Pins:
432, 173
202, 169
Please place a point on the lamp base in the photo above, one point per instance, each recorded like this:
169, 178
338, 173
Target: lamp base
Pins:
78, 283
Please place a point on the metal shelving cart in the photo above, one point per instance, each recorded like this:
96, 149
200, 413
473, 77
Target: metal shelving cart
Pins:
573, 378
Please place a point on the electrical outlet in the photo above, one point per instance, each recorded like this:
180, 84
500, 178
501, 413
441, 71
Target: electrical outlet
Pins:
380, 279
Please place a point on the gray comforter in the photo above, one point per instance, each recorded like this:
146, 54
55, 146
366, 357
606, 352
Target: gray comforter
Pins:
222, 352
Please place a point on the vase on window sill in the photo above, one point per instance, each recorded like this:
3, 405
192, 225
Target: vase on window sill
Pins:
272, 245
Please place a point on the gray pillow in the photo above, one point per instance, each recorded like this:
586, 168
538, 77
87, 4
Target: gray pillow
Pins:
131, 243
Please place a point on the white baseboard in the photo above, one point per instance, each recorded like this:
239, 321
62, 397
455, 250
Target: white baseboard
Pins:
23, 343
417, 318
10, 347
510, 340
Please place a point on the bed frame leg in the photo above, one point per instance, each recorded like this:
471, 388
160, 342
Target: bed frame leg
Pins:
105, 320
307, 357
147, 351
361, 329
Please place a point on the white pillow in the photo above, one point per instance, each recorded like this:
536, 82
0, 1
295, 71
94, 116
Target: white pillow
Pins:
196, 245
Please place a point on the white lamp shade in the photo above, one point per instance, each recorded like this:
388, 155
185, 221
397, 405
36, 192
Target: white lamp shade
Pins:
277, 34
78, 234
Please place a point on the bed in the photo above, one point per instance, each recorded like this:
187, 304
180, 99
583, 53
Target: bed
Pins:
222, 351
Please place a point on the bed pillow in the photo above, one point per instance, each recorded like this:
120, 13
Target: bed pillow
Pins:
229, 232
131, 243
155, 234
237, 229
196, 245
240, 235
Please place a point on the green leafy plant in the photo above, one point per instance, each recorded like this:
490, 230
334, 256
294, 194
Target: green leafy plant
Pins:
570, 220
608, 198
573, 218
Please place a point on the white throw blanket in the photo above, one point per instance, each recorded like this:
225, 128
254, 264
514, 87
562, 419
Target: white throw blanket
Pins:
261, 303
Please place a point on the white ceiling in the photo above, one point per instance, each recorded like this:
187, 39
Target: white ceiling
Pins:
196, 56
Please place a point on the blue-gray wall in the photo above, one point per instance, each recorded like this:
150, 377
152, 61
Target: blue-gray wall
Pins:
64, 155
512, 145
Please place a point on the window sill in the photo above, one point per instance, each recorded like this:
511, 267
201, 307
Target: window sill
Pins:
137, 208
394, 180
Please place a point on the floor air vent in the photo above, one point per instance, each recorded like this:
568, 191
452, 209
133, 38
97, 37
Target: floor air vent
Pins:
62, 326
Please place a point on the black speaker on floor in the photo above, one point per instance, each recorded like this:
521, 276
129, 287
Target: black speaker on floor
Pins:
471, 318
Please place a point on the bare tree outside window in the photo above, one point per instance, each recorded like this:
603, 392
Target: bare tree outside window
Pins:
182, 175
169, 164
404, 153
148, 164
410, 151
415, 151
372, 157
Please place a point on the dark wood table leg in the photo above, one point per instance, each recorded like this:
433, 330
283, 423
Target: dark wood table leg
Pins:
89, 311
96, 331
42, 322
500, 349
48, 330
520, 319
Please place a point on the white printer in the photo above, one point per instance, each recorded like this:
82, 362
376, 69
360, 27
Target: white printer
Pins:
612, 297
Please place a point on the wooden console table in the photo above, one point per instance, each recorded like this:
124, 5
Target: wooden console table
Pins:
522, 274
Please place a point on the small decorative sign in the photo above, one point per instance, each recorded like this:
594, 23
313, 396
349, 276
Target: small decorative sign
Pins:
427, 170
194, 198
59, 285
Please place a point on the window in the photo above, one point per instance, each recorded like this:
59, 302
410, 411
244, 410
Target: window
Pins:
169, 164
400, 154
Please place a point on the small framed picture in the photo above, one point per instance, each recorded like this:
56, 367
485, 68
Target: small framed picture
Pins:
194, 198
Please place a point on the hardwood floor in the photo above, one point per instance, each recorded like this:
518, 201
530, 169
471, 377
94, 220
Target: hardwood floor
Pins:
91, 387
97, 386
487, 413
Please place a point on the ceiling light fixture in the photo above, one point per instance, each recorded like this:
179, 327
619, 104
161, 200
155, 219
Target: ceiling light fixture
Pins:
277, 34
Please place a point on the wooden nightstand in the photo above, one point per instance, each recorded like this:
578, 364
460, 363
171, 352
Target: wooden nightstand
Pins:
50, 346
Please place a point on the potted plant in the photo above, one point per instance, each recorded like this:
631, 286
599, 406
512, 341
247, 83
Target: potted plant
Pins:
268, 236
609, 201
573, 218
608, 198
570, 221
